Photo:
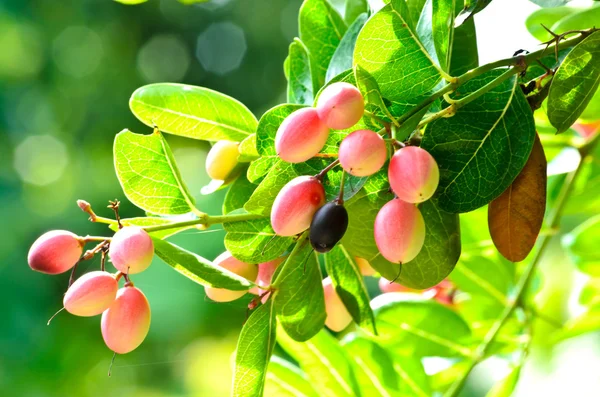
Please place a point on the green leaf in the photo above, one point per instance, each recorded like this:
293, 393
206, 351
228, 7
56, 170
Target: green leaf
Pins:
506, 386
325, 362
247, 149
587, 322
300, 83
299, 297
353, 10
254, 350
151, 221
193, 112
415, 9
321, 30
148, 174
581, 19
260, 168
441, 249
286, 380
262, 199
350, 287
342, 57
442, 25
238, 194
590, 294
471, 8
388, 49
198, 269
370, 90
410, 326
582, 246
575, 83
547, 17
373, 366
497, 128
464, 55
255, 241
269, 124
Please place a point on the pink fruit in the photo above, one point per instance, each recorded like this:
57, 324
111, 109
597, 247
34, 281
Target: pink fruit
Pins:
362, 153
131, 250
413, 174
586, 130
265, 276
91, 294
301, 136
338, 317
222, 159
399, 231
126, 322
364, 266
55, 252
296, 204
227, 261
340, 106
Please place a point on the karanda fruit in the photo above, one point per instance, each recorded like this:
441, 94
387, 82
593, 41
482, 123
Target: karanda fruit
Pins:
55, 252
222, 159
131, 250
301, 136
338, 317
229, 262
399, 231
340, 105
362, 153
91, 294
413, 174
296, 204
126, 322
328, 226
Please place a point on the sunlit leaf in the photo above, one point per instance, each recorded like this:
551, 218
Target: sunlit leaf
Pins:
342, 57
286, 380
506, 386
300, 83
582, 246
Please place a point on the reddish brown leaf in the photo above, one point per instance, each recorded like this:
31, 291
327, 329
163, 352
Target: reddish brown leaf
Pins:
515, 217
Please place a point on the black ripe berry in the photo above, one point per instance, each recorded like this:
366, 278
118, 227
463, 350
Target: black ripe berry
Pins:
328, 226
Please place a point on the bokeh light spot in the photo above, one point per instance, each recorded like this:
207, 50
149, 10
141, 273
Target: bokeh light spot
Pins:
221, 48
22, 50
163, 58
40, 159
77, 51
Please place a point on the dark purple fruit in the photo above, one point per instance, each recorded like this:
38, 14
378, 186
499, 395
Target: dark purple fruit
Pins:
328, 226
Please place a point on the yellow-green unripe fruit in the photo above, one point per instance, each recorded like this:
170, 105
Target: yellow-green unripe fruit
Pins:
222, 159
229, 262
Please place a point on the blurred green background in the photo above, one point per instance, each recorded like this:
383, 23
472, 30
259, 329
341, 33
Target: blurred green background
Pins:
67, 69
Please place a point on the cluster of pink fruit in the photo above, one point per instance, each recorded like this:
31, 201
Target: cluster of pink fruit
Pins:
413, 175
125, 311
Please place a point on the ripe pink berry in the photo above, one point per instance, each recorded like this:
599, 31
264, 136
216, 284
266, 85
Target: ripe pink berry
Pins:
338, 317
340, 106
91, 294
362, 153
126, 322
301, 136
131, 250
586, 130
413, 174
265, 276
399, 231
55, 252
296, 204
222, 159
364, 266
229, 262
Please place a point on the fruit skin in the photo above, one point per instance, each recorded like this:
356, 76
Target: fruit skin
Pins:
229, 262
126, 322
301, 136
338, 317
340, 105
55, 252
362, 153
264, 277
364, 266
328, 226
295, 205
399, 231
131, 250
222, 159
442, 292
91, 294
413, 174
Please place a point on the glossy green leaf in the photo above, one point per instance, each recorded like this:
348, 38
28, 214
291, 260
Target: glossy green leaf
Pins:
353, 9
389, 50
506, 386
262, 199
299, 297
238, 194
415, 9
410, 326
325, 362
547, 17
464, 56
575, 83
497, 128
300, 83
254, 350
286, 380
193, 112
581, 19
149, 175
483, 276
321, 30
371, 92
151, 221
198, 269
260, 167
350, 287
255, 241
582, 246
442, 24
342, 57
247, 149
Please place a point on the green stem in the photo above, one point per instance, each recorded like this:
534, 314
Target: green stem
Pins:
206, 220
521, 288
